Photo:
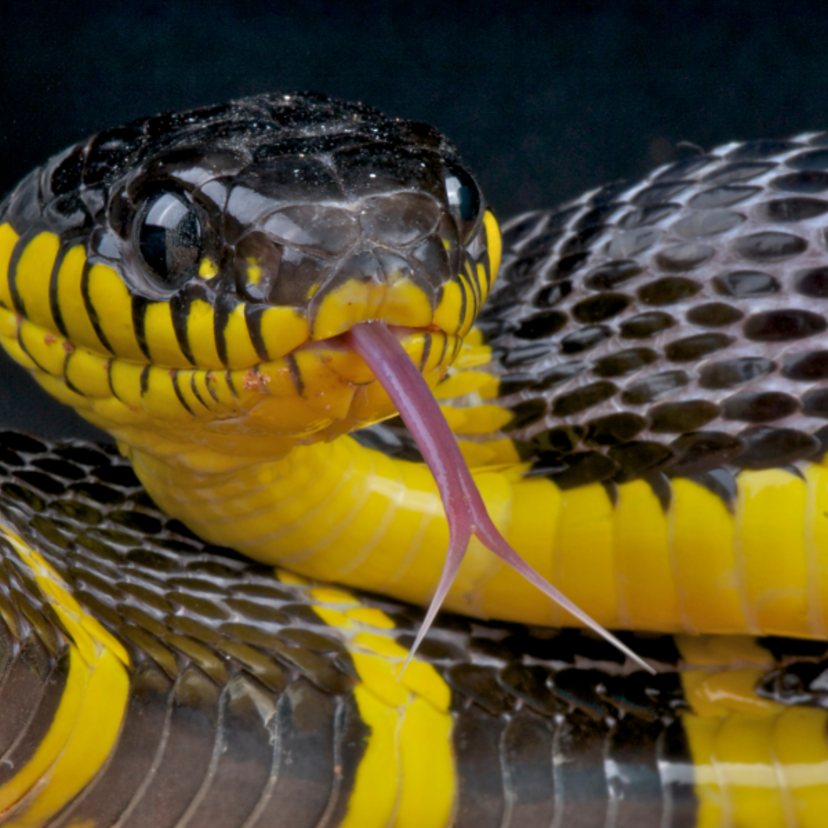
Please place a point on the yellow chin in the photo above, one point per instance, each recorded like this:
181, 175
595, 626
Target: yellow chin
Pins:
316, 393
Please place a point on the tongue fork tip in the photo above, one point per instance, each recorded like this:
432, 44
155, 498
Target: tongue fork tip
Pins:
465, 511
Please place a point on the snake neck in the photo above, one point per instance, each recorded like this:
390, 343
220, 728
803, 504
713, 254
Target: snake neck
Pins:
338, 511
323, 509
343, 512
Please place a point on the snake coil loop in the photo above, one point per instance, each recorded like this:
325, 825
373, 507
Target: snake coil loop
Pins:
244, 296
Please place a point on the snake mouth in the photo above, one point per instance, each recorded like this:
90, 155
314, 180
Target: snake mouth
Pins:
334, 381
343, 343
332, 377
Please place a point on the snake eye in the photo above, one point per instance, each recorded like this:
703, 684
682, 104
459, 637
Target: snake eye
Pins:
463, 197
168, 238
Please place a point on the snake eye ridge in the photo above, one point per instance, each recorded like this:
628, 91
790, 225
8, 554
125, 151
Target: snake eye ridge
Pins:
464, 198
168, 238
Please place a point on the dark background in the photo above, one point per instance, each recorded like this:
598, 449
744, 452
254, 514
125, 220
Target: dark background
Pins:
544, 100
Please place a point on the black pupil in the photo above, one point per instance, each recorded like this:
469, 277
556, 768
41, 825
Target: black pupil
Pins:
170, 238
463, 198
460, 197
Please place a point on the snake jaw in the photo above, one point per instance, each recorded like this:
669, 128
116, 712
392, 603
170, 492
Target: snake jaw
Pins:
464, 507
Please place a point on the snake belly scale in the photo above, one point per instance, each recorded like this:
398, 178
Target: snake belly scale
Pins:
641, 396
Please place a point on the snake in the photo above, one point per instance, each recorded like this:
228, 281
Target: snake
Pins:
340, 391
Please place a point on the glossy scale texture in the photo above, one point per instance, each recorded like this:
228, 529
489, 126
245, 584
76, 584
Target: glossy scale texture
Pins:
253, 697
639, 403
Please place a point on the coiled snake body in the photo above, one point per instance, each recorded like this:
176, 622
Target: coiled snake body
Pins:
641, 401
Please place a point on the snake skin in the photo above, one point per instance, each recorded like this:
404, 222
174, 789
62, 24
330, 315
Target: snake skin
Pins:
233, 659
673, 325
669, 328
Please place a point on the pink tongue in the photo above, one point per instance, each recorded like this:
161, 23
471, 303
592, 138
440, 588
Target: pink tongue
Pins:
465, 510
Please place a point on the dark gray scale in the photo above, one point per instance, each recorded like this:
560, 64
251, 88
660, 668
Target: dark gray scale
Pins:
708, 222
683, 257
759, 406
693, 348
715, 266
531, 741
813, 282
600, 308
784, 325
770, 447
796, 208
807, 366
734, 372
811, 160
583, 468
612, 274
668, 291
646, 324
742, 284
730, 173
682, 417
807, 182
719, 481
526, 355
553, 295
640, 458
583, 399
719, 197
624, 362
770, 246
584, 339
762, 148
714, 315
643, 216
614, 429
816, 403
654, 387
540, 326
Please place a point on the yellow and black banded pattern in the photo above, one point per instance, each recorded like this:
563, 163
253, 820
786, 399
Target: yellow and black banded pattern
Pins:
147, 678
652, 366
642, 399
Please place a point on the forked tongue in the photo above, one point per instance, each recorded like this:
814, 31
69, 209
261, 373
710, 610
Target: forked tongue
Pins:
465, 510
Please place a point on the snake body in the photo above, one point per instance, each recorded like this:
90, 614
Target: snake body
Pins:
642, 399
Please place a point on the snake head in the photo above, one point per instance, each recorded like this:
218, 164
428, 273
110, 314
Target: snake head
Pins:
208, 264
